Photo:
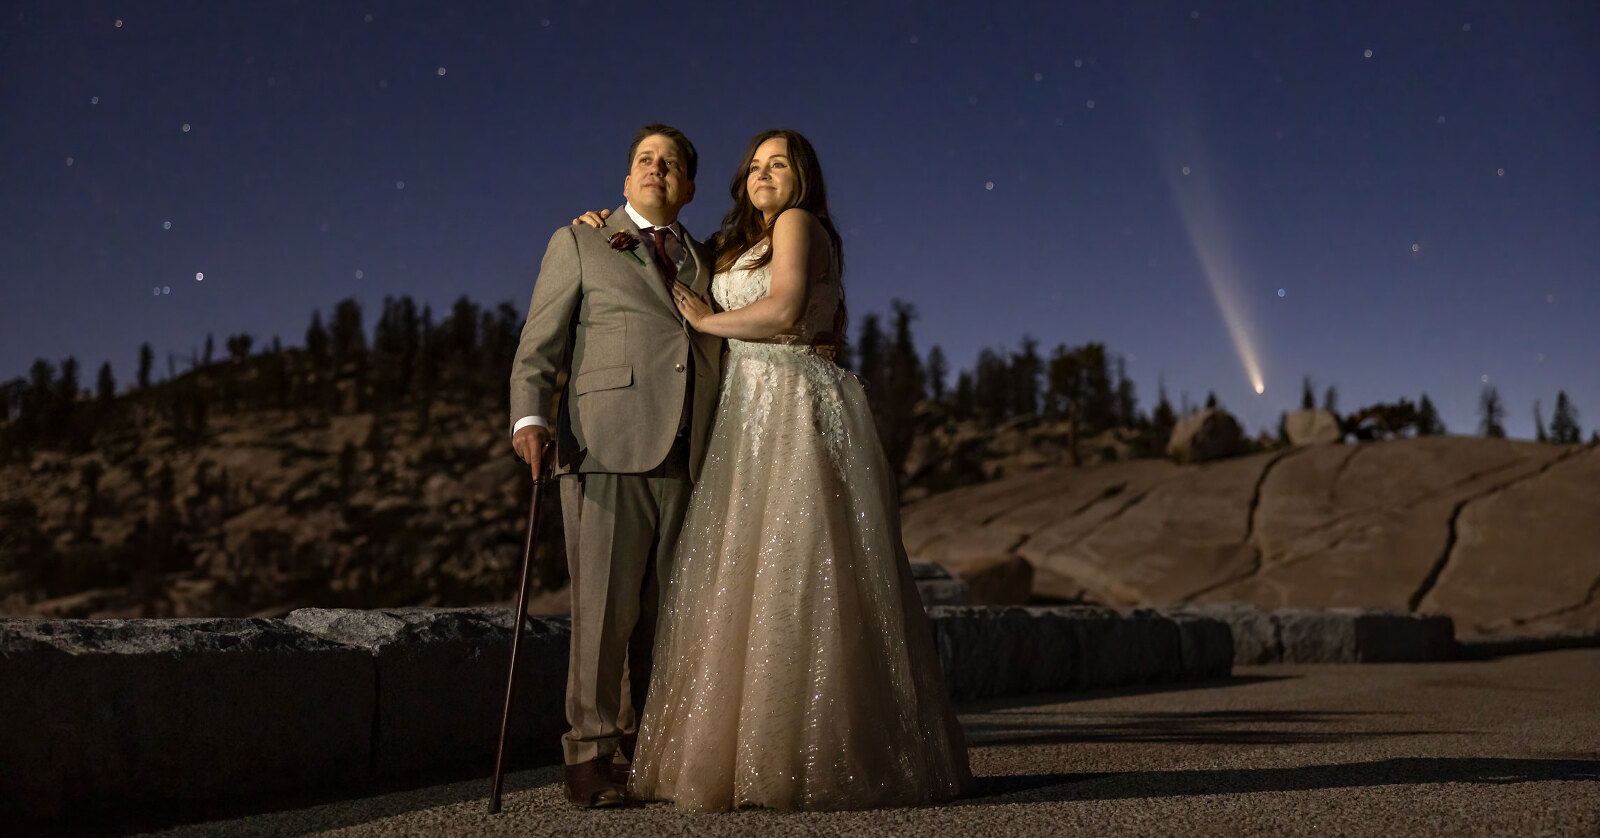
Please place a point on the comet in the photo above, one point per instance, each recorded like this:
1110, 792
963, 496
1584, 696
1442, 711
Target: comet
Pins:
1202, 218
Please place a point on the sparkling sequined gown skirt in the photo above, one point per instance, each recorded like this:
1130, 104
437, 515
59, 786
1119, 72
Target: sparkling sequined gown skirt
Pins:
794, 664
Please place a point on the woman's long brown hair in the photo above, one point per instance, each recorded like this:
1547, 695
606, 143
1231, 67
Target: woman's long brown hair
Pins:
743, 226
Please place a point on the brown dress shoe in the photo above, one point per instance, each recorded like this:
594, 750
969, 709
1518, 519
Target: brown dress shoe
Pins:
589, 784
620, 771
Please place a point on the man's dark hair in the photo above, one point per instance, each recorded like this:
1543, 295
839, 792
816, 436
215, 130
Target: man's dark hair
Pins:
691, 158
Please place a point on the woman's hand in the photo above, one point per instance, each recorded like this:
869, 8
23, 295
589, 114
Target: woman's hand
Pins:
593, 218
693, 308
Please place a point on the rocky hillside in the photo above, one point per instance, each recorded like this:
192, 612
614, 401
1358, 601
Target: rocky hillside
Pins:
262, 511
268, 513
1500, 535
270, 510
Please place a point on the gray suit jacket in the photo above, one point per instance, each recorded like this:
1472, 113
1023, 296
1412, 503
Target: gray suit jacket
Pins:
605, 351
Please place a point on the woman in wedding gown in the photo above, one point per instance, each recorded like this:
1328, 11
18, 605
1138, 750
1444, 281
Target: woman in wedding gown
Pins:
794, 664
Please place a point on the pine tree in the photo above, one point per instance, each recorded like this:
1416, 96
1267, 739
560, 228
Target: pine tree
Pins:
105, 387
239, 347
11, 398
146, 356
1564, 428
938, 370
1492, 414
1099, 399
63, 410
36, 405
209, 347
387, 353
1283, 429
871, 354
317, 341
1330, 400
67, 385
991, 386
1308, 398
348, 340
905, 388
429, 357
1069, 390
318, 384
1127, 404
965, 398
1025, 369
1211, 400
460, 335
1428, 423
1538, 424
1163, 419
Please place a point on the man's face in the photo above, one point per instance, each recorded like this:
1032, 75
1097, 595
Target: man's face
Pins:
658, 183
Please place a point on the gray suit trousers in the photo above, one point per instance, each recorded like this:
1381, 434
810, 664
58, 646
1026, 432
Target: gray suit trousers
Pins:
621, 530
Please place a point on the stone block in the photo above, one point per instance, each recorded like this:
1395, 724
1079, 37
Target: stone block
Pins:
994, 651
1385, 637
441, 680
99, 713
1125, 648
1255, 633
1313, 636
1334, 635
1205, 646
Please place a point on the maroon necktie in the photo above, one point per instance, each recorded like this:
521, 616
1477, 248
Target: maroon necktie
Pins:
669, 271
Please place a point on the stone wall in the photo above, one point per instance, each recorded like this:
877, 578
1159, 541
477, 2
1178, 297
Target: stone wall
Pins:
100, 714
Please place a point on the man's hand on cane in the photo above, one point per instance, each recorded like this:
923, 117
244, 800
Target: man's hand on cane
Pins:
531, 443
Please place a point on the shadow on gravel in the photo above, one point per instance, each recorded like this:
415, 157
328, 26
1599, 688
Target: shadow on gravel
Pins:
989, 705
1389, 772
298, 814
1217, 727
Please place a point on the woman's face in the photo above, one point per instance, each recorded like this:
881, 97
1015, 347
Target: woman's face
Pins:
771, 181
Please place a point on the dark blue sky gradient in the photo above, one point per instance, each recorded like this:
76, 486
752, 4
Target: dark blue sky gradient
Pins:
968, 173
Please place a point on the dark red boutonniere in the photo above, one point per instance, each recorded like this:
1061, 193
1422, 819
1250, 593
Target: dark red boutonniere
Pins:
624, 242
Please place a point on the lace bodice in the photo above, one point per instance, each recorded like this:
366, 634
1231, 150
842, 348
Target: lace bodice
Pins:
742, 285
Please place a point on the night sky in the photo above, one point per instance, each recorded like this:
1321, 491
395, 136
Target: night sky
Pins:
1393, 198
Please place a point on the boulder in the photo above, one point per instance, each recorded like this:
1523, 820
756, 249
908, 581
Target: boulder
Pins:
1210, 434
1313, 427
936, 586
996, 580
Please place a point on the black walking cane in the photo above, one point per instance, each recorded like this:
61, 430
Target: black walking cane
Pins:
519, 617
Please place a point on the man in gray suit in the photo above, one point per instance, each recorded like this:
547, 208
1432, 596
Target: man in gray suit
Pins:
610, 374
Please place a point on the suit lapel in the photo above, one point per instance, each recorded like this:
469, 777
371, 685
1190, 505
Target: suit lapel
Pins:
696, 263
648, 273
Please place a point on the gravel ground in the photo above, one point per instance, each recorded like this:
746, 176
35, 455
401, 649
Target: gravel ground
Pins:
1499, 747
